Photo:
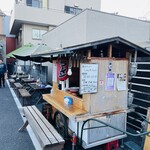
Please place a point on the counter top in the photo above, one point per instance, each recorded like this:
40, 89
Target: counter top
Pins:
58, 103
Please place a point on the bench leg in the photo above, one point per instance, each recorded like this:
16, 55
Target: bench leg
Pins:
24, 126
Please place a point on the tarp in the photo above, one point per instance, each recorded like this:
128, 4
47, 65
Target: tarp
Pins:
24, 53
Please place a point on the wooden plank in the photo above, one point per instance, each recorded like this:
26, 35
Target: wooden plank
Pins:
110, 51
49, 126
77, 102
18, 85
58, 102
44, 128
147, 138
36, 128
11, 80
109, 100
24, 93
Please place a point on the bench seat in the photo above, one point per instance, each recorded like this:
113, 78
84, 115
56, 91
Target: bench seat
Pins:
46, 134
11, 81
18, 85
24, 94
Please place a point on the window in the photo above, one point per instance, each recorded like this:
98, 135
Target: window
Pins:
37, 33
38, 3
72, 10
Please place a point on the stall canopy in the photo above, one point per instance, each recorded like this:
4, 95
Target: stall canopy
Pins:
21, 52
24, 53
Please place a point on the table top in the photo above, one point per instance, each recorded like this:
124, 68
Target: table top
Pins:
35, 86
19, 76
18, 85
58, 103
22, 76
28, 80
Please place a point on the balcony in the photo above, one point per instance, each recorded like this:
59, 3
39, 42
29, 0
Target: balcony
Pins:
23, 14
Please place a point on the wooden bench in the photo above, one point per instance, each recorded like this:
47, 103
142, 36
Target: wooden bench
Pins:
11, 81
18, 85
24, 94
46, 134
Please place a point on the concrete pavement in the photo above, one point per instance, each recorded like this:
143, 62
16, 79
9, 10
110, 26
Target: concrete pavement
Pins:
10, 122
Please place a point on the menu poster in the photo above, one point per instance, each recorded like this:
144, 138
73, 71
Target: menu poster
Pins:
121, 81
110, 82
88, 78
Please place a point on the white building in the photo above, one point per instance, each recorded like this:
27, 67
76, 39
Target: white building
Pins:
91, 25
31, 18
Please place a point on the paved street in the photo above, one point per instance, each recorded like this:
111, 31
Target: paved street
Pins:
11, 119
10, 122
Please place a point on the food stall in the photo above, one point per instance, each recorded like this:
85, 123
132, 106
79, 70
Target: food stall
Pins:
90, 81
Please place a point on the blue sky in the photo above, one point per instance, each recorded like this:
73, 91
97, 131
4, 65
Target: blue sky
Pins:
131, 8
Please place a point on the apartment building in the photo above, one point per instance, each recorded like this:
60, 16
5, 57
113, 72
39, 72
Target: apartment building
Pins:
30, 19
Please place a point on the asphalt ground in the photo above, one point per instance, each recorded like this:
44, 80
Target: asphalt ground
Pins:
11, 119
10, 122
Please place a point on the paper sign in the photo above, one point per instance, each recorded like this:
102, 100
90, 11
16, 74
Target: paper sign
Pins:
121, 82
110, 81
88, 78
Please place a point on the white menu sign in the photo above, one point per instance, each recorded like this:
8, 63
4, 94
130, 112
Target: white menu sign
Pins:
88, 78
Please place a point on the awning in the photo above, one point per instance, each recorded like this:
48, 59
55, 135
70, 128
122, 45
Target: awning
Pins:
21, 53
24, 53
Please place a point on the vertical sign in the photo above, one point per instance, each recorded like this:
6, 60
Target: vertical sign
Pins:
88, 78
62, 69
54, 72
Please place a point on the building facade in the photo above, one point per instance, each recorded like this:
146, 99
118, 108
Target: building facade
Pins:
92, 25
2, 37
30, 19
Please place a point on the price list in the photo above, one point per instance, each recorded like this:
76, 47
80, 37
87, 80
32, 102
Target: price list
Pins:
88, 78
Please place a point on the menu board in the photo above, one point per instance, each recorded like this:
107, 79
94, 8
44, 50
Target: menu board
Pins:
88, 78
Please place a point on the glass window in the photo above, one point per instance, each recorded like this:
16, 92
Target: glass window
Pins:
72, 10
38, 3
37, 33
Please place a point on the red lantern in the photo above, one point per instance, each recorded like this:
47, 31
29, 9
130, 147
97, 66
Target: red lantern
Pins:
62, 69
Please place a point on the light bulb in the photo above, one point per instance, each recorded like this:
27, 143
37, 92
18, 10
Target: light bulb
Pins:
34, 67
69, 72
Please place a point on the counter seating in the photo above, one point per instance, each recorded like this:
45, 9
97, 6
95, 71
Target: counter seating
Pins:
45, 133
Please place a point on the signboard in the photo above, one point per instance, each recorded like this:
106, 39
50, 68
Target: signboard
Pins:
62, 69
88, 78
54, 73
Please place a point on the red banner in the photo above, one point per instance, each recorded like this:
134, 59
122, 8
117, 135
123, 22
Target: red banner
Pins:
62, 69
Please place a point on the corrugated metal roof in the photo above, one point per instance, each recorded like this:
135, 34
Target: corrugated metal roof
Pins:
65, 50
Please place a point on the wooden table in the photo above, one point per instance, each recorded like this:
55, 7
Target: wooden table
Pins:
22, 76
18, 85
58, 103
26, 81
34, 87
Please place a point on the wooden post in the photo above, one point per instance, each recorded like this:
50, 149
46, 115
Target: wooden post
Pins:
110, 51
89, 54
147, 138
